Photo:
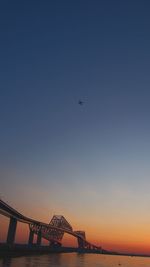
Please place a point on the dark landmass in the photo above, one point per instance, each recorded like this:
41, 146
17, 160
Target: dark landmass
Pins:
24, 250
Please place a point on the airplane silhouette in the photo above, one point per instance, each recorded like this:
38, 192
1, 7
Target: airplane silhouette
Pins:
80, 102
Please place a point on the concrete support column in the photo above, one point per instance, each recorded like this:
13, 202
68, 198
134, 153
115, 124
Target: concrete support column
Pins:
80, 243
31, 237
39, 238
11, 231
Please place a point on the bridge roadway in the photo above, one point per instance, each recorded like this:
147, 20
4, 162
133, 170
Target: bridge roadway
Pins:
10, 212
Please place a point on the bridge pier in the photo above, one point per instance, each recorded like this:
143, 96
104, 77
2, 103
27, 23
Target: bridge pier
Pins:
11, 231
81, 239
80, 242
31, 237
39, 238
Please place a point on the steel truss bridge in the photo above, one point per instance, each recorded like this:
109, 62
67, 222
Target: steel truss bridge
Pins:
53, 232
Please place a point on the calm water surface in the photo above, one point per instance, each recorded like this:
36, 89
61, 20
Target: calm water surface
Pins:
75, 260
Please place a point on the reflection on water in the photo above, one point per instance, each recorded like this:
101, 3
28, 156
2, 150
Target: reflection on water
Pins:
75, 260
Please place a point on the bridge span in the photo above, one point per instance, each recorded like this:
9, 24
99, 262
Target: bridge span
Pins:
53, 232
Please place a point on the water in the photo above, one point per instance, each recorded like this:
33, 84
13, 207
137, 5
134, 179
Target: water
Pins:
75, 260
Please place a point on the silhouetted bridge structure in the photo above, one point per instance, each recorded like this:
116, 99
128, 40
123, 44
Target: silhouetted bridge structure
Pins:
53, 232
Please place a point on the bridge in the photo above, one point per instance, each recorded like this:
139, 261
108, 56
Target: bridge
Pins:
53, 232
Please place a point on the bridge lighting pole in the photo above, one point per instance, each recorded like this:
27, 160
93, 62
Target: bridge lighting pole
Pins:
11, 231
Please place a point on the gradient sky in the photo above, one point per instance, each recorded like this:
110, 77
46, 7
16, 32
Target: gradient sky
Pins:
90, 163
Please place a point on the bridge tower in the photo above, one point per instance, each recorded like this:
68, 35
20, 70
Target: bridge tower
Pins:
56, 235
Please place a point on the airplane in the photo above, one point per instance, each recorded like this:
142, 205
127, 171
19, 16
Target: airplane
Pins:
80, 102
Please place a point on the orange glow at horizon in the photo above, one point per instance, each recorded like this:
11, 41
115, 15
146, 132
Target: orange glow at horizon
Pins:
137, 241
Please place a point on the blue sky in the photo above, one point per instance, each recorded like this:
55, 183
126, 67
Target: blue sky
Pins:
54, 53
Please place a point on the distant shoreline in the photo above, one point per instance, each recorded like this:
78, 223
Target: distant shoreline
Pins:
25, 250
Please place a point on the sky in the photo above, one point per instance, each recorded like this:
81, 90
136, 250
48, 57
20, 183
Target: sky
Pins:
88, 162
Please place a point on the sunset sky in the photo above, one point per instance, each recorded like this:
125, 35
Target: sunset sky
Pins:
90, 162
